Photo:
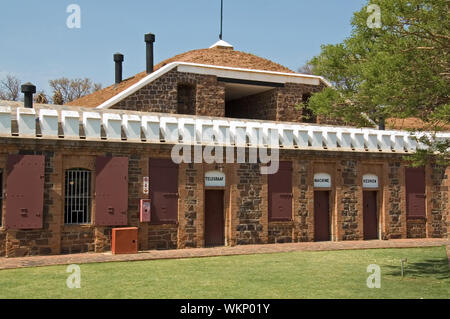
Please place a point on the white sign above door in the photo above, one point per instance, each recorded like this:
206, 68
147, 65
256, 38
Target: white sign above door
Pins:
214, 179
370, 181
322, 180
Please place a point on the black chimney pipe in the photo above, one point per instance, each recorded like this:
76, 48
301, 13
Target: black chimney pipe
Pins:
28, 89
118, 59
149, 40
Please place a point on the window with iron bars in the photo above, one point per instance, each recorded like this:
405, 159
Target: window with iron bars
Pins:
77, 206
1, 197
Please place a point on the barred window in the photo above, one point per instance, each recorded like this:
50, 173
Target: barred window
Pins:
1, 196
77, 207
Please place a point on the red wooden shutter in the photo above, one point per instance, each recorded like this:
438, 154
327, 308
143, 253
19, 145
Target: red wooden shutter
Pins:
415, 192
111, 189
280, 193
25, 191
164, 191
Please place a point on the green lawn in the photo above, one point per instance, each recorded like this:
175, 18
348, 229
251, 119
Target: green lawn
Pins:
330, 274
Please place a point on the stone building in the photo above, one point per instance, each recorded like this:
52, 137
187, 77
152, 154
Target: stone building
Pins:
71, 174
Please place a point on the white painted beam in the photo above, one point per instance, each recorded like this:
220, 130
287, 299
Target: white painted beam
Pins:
271, 136
222, 131
112, 123
301, 138
70, 121
371, 141
238, 132
5, 121
286, 133
169, 129
151, 128
186, 127
254, 133
132, 127
92, 125
26, 121
330, 138
205, 131
357, 140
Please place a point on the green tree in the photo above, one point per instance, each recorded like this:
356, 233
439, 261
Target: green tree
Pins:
397, 70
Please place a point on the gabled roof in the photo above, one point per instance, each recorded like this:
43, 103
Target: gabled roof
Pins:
217, 56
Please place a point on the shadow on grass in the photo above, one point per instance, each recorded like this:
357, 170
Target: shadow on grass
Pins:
437, 268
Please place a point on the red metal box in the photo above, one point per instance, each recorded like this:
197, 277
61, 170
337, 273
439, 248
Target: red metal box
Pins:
124, 240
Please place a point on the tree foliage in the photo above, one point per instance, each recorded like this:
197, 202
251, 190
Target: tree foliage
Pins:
306, 69
10, 88
399, 70
66, 90
41, 98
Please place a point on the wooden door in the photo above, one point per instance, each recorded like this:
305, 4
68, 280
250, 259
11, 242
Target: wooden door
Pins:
322, 216
370, 215
214, 218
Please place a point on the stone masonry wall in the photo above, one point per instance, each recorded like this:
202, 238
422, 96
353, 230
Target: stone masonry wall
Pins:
249, 229
262, 106
416, 228
280, 232
289, 99
77, 239
162, 236
56, 237
246, 201
37, 241
439, 201
161, 95
303, 195
351, 217
394, 220
2, 244
190, 205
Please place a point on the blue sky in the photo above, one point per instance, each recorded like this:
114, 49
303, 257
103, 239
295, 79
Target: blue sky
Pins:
36, 44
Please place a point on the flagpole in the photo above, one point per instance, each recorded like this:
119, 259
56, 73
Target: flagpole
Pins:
221, 19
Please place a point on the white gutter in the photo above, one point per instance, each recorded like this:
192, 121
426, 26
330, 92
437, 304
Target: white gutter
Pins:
247, 74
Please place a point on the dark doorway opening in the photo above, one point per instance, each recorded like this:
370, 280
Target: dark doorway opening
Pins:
308, 115
322, 216
214, 218
370, 215
250, 99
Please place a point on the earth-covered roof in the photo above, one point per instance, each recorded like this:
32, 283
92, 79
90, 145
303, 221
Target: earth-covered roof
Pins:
217, 56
